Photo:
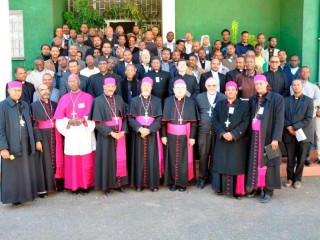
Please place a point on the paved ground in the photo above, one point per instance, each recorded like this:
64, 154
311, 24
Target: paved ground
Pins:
195, 214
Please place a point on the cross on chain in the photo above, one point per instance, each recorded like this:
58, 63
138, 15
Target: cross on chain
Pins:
146, 117
73, 114
210, 112
116, 119
180, 120
227, 122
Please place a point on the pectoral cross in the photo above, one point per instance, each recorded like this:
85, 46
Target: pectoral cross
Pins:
146, 117
73, 114
210, 112
116, 119
227, 122
22, 123
180, 120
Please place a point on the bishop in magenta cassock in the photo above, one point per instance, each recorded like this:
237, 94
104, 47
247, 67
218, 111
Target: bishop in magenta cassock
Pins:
178, 133
79, 140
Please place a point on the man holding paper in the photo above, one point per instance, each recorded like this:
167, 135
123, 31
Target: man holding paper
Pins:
297, 134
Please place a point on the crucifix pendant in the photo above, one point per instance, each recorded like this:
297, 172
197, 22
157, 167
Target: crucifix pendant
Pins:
116, 119
180, 120
73, 114
146, 117
227, 122
22, 123
210, 112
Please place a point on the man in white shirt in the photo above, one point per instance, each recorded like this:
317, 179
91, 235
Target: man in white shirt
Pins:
90, 69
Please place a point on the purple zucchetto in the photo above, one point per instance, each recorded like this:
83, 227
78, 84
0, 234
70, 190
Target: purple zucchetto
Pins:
147, 80
260, 77
231, 84
109, 81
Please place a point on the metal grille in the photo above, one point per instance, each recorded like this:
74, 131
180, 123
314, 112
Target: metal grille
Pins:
151, 7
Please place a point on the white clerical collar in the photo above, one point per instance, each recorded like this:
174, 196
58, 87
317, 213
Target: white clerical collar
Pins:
294, 70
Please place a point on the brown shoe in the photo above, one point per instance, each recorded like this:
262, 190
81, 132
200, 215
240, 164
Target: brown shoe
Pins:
297, 184
288, 183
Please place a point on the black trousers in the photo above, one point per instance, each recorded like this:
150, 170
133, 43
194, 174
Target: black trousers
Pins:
296, 150
206, 143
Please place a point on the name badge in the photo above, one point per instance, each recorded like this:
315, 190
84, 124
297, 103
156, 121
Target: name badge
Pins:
157, 79
81, 105
261, 110
231, 110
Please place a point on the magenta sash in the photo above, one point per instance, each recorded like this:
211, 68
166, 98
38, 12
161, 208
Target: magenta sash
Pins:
180, 130
59, 156
46, 124
142, 121
261, 180
121, 156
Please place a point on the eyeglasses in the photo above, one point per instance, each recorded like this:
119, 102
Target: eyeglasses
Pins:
211, 85
274, 61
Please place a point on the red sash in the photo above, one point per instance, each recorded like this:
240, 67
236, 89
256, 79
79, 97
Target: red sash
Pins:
142, 121
180, 130
121, 156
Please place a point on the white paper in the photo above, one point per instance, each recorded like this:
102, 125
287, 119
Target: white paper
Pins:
300, 135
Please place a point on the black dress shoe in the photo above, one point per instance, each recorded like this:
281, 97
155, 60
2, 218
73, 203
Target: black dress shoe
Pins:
254, 193
218, 192
123, 189
237, 196
266, 198
154, 189
173, 188
108, 191
201, 184
85, 191
75, 192
307, 163
182, 189
17, 204
43, 195
317, 161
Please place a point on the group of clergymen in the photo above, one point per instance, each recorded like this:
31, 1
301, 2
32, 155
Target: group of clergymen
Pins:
83, 142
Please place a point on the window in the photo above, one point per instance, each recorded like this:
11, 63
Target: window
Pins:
16, 34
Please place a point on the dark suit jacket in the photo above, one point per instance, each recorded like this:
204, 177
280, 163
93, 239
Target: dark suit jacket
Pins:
120, 69
206, 75
231, 75
298, 115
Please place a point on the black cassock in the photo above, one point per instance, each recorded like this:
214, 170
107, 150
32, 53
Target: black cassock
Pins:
96, 82
161, 81
230, 157
272, 122
145, 157
45, 160
105, 176
18, 177
177, 168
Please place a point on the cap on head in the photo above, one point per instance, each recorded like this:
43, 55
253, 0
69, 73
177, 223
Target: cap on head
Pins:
147, 80
109, 81
102, 59
260, 77
231, 84
14, 84
179, 81
72, 76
